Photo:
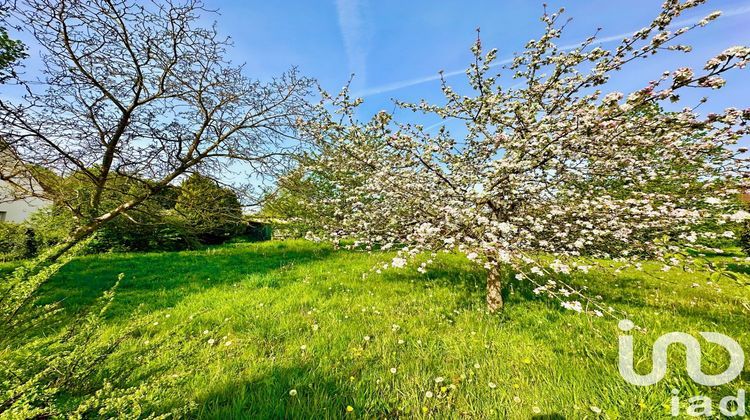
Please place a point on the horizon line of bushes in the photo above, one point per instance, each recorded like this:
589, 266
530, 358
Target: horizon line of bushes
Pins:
199, 212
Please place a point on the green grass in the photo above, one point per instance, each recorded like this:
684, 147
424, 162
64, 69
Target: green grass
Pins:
7, 266
296, 315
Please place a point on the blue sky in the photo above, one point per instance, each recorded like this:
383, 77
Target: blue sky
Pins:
395, 47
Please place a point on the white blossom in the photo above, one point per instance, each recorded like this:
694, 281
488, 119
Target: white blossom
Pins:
550, 168
740, 216
573, 306
398, 262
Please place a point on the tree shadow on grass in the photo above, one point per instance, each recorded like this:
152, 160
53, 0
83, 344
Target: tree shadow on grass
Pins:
634, 293
267, 396
468, 284
739, 268
161, 280
7, 267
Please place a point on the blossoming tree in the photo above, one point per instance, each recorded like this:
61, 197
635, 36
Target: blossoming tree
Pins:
552, 171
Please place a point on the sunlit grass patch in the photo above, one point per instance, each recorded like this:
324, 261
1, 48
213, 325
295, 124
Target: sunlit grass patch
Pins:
294, 329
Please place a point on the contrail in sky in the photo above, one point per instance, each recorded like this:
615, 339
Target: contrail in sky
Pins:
355, 34
413, 82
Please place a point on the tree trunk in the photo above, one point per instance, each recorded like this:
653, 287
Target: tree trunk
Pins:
494, 289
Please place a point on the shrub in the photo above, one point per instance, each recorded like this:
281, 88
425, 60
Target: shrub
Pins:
174, 219
40, 383
51, 225
16, 242
151, 226
199, 212
61, 376
745, 239
159, 230
17, 307
212, 213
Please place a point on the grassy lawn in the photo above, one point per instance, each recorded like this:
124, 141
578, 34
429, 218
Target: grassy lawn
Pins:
7, 266
294, 315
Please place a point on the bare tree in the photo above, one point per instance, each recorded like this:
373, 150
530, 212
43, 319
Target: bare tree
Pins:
138, 90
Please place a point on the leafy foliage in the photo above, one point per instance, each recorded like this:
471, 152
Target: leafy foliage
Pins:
31, 388
20, 288
50, 226
15, 242
300, 203
209, 211
40, 383
198, 212
11, 50
38, 378
150, 226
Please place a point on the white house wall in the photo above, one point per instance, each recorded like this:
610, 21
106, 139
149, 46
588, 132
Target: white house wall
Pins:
19, 210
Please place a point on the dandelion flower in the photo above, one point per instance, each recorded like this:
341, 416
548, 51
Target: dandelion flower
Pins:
367, 338
517, 399
292, 392
492, 385
303, 347
211, 341
393, 371
595, 409
205, 332
536, 409
439, 379
476, 366
401, 341
349, 408
428, 394
228, 343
